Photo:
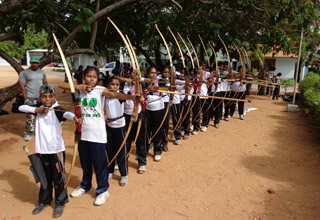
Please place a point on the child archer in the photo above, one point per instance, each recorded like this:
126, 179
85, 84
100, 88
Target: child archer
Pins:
50, 147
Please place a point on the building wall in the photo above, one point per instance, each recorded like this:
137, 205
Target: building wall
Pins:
286, 66
3, 62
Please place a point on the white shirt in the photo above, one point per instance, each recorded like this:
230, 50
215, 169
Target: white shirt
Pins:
155, 100
129, 104
114, 110
92, 110
48, 132
237, 88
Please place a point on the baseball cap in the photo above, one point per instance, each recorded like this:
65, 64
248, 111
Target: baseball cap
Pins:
35, 60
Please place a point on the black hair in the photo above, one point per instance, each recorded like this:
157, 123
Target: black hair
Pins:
279, 74
150, 68
166, 67
112, 78
239, 68
95, 62
89, 69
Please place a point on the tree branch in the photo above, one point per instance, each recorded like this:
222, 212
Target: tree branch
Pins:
95, 28
11, 6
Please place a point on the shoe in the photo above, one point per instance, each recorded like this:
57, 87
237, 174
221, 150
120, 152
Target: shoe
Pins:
216, 125
185, 137
39, 208
226, 119
101, 198
241, 117
77, 192
58, 211
111, 175
203, 129
142, 169
177, 142
157, 157
191, 128
27, 137
165, 148
124, 180
116, 167
194, 132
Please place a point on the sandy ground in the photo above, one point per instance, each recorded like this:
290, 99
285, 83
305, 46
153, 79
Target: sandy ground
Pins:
220, 174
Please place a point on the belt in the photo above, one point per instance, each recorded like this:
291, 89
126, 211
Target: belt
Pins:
114, 119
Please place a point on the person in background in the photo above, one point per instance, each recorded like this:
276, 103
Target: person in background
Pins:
30, 81
79, 75
276, 93
117, 69
271, 74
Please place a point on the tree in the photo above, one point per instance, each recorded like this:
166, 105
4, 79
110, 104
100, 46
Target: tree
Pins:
68, 19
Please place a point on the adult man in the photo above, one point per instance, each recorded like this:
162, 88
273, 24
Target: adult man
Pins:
30, 81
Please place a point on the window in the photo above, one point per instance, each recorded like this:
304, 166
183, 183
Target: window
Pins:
110, 65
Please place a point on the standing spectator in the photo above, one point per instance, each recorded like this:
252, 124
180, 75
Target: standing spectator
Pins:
117, 69
79, 74
30, 81
271, 74
276, 92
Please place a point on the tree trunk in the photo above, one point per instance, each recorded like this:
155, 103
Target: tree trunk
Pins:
94, 29
8, 93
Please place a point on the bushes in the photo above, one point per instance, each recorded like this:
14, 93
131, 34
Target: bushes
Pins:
310, 90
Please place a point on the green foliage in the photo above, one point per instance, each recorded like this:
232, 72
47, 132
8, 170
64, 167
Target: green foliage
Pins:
32, 40
83, 16
289, 82
310, 89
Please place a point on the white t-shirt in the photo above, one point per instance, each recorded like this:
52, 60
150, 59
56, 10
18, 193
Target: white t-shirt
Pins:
115, 109
48, 132
129, 104
155, 100
237, 88
92, 110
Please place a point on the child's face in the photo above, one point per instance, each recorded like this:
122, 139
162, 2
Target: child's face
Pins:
91, 78
166, 73
152, 74
114, 85
47, 99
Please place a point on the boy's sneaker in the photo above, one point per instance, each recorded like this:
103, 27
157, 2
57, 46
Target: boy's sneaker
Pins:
116, 167
185, 137
177, 142
124, 180
58, 211
111, 175
142, 169
204, 128
191, 128
226, 119
27, 137
157, 157
39, 208
101, 198
216, 125
241, 117
77, 192
194, 132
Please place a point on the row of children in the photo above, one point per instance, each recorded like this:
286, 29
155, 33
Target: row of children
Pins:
100, 135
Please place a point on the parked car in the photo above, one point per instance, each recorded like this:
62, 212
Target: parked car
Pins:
107, 69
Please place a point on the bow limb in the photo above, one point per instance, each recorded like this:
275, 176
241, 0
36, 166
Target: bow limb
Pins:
172, 76
194, 51
184, 43
177, 43
205, 49
76, 109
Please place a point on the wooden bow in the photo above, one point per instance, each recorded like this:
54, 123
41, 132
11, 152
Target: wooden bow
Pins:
200, 78
135, 113
76, 109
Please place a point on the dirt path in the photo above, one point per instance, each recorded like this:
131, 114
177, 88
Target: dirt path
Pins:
220, 174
